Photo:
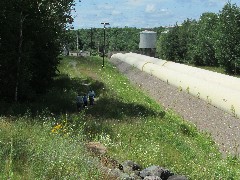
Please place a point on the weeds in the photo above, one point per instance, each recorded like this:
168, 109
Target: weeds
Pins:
45, 139
34, 152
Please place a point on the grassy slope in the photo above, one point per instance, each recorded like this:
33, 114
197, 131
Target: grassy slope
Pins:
129, 123
149, 137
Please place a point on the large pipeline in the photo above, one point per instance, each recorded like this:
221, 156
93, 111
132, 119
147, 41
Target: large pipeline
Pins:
220, 90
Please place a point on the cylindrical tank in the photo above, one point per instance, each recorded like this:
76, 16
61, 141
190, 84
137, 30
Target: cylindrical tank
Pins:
148, 39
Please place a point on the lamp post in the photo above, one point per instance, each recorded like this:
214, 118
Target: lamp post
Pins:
104, 27
91, 46
77, 42
72, 28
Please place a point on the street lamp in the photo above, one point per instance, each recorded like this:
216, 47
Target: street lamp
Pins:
72, 28
104, 26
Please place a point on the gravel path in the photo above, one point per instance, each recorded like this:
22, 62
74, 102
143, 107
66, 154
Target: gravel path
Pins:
223, 127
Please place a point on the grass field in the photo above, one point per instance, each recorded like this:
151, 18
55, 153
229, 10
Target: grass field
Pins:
45, 139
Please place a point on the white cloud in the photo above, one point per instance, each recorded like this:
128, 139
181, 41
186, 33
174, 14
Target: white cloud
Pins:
150, 8
135, 2
165, 12
142, 12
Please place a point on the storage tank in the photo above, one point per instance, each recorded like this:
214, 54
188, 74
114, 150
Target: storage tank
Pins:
147, 42
148, 39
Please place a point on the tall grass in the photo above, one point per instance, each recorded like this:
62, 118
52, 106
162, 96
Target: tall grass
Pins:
30, 149
45, 139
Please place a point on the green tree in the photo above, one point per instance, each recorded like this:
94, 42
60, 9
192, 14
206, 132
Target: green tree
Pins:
228, 39
117, 39
187, 35
124, 39
30, 36
174, 42
169, 45
203, 50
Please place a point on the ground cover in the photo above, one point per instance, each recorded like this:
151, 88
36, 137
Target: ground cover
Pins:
51, 134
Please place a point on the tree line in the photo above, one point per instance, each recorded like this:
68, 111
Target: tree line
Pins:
34, 33
116, 39
213, 40
31, 38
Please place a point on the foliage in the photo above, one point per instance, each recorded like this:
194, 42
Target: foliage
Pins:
30, 44
175, 42
203, 50
130, 124
213, 40
228, 41
29, 150
117, 39
168, 44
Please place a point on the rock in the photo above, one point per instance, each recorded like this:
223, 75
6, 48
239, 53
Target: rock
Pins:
152, 171
110, 162
129, 166
125, 176
177, 177
152, 178
116, 172
120, 167
97, 148
166, 174
136, 167
129, 170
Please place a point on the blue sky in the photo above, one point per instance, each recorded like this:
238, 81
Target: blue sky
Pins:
142, 13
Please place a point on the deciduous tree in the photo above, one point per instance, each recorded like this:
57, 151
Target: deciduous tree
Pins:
228, 42
30, 42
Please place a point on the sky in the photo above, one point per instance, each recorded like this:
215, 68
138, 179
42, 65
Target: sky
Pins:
142, 13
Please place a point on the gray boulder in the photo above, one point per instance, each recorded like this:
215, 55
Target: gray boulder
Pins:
177, 177
152, 178
166, 174
130, 166
152, 171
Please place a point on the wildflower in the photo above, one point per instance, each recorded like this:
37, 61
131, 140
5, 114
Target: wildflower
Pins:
56, 128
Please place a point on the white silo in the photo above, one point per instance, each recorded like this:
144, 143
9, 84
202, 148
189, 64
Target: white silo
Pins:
147, 42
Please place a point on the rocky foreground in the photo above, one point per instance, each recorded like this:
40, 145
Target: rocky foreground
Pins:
129, 170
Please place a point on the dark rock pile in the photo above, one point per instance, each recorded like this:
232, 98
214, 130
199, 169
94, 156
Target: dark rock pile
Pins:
130, 170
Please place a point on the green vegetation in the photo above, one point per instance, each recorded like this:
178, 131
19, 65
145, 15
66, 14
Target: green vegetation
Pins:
117, 39
41, 134
32, 35
210, 41
45, 139
213, 40
30, 149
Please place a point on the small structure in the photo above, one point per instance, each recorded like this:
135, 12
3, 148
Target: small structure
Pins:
147, 43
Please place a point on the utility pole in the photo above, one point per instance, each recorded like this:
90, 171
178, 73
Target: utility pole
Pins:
91, 45
104, 35
77, 42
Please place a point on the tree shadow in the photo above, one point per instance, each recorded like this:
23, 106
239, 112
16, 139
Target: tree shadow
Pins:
111, 108
59, 99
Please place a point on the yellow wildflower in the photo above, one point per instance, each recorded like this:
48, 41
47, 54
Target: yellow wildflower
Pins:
56, 128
